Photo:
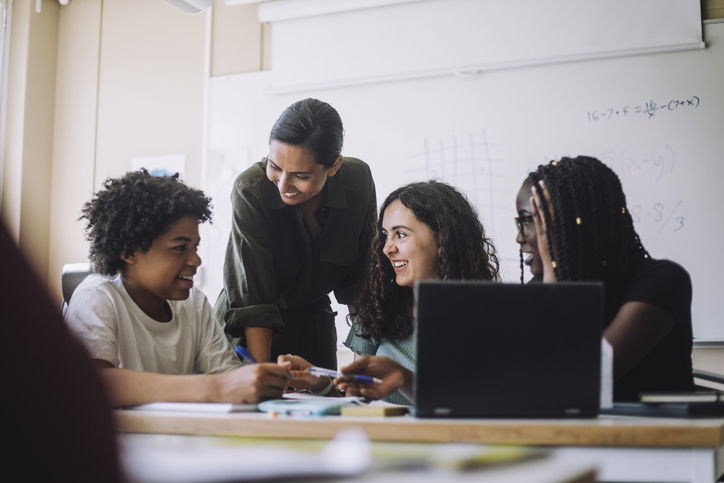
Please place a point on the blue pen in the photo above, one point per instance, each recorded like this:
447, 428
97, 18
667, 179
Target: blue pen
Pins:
319, 371
244, 354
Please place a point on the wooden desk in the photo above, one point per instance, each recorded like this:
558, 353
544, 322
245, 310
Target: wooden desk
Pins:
623, 448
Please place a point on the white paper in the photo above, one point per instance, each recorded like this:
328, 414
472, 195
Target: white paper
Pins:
314, 397
196, 407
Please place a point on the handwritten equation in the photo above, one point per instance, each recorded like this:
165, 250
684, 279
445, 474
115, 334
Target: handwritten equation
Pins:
661, 215
650, 109
655, 163
651, 164
639, 168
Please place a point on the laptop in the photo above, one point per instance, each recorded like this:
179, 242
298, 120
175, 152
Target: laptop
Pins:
488, 350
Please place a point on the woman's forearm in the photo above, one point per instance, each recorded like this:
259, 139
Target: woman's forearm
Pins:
258, 342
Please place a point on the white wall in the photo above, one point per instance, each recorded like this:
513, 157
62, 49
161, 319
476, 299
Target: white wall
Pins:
130, 82
29, 133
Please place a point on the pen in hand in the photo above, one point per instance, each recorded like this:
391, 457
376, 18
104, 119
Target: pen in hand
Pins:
319, 371
244, 354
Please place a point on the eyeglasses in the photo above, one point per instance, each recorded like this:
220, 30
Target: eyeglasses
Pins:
521, 222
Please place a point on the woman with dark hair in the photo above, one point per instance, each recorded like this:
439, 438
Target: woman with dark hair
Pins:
302, 227
425, 231
577, 207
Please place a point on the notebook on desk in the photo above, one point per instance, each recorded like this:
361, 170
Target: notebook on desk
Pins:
501, 350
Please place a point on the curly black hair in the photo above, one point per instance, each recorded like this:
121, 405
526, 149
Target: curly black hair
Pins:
129, 213
593, 231
466, 253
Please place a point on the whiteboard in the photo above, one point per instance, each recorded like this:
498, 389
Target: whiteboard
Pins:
657, 120
372, 42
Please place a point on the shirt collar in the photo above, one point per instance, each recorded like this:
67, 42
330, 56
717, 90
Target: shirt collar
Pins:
334, 196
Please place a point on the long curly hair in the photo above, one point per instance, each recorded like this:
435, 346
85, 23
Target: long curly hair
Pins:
592, 228
129, 213
465, 253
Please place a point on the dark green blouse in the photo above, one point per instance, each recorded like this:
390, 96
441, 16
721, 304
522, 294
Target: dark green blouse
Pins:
271, 261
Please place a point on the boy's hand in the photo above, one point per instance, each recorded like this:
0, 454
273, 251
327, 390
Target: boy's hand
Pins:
252, 383
301, 377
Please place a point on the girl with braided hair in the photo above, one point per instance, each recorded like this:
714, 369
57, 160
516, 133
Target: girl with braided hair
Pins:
574, 224
425, 231
526, 235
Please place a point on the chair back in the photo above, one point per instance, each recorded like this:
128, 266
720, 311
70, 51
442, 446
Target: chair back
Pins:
73, 274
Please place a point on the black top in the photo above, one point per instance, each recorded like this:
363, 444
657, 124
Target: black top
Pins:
271, 261
667, 367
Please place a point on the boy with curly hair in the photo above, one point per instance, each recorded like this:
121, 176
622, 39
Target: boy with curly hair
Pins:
152, 334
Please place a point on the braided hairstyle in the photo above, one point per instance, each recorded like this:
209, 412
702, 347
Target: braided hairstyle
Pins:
129, 213
592, 229
465, 254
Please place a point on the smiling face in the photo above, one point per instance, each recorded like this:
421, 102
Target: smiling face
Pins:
296, 174
166, 270
410, 245
528, 240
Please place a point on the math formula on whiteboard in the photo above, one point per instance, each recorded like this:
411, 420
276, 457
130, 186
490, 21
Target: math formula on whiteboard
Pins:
665, 218
648, 109
654, 164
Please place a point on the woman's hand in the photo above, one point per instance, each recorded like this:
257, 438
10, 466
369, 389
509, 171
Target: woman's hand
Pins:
301, 377
394, 377
541, 230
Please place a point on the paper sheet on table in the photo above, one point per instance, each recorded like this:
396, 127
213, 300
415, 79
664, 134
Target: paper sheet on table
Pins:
330, 406
354, 399
196, 407
312, 397
348, 454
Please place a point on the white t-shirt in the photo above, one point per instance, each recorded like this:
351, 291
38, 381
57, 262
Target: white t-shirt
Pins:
113, 328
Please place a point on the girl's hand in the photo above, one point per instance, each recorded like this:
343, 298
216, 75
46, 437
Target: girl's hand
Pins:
549, 274
301, 377
392, 374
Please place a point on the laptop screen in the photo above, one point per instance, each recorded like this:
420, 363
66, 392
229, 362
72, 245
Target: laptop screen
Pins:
501, 350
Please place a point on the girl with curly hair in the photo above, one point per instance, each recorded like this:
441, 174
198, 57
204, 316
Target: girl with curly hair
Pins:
577, 207
425, 231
